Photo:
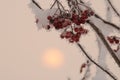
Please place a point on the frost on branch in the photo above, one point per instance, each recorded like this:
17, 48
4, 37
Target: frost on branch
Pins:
87, 71
41, 16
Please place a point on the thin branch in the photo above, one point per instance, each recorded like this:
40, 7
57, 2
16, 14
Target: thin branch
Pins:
58, 5
109, 23
79, 11
113, 77
81, 1
113, 8
61, 5
106, 22
68, 2
36, 4
102, 37
53, 4
58, 2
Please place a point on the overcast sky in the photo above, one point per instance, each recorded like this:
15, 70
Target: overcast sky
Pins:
22, 45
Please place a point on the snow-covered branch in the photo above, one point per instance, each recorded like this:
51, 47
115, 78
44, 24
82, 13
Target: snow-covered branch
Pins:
106, 22
102, 37
106, 71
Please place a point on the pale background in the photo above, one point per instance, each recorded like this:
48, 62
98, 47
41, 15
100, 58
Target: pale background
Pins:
22, 45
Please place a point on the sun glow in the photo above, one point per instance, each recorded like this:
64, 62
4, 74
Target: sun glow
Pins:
52, 58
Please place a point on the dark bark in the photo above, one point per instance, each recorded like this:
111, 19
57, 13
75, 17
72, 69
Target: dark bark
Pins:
109, 23
102, 37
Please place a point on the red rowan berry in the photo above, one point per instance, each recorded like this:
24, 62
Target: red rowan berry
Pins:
49, 17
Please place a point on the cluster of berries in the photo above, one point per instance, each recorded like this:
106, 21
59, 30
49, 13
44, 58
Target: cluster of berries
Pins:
67, 20
59, 22
114, 40
74, 36
82, 18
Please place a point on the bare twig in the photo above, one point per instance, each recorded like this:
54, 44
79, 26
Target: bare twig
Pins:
102, 37
58, 6
81, 1
111, 75
113, 8
53, 4
106, 22
61, 5
36, 4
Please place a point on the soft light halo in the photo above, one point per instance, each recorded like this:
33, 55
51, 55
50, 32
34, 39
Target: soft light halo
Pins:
52, 58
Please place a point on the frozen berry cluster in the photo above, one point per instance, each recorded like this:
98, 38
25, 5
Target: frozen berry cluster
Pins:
74, 36
72, 21
114, 40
